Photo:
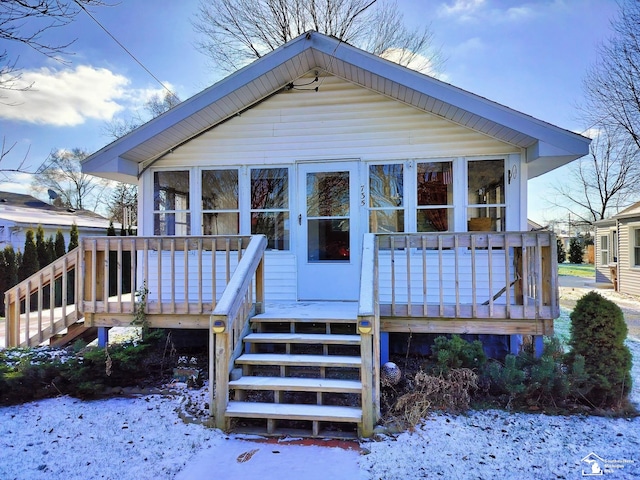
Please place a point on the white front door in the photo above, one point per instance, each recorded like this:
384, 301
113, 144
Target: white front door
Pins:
328, 231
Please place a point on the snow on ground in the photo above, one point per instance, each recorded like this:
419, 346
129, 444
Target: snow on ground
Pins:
145, 438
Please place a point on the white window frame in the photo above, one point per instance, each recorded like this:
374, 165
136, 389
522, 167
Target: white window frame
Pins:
288, 209
604, 249
634, 259
406, 169
465, 192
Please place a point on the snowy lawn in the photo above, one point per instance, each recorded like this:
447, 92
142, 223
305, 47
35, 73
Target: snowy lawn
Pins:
145, 438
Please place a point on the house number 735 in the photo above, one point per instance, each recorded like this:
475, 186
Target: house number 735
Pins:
362, 196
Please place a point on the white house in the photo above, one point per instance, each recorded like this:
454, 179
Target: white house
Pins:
19, 213
322, 185
617, 251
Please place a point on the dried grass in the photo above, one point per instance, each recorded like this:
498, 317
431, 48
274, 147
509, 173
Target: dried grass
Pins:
450, 392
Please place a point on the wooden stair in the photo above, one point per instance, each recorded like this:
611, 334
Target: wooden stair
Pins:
75, 331
300, 376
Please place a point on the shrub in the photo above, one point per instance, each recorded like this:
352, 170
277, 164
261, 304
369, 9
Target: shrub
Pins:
598, 331
562, 253
541, 382
455, 352
576, 251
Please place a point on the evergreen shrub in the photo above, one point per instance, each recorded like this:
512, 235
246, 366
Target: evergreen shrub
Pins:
598, 332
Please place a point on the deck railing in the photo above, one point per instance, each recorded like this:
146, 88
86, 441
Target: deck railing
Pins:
229, 323
181, 275
511, 275
183, 278
42, 305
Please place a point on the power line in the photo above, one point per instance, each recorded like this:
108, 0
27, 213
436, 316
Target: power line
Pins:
124, 48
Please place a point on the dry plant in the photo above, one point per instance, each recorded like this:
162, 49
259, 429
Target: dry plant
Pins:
450, 392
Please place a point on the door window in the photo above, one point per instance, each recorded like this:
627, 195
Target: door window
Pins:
328, 211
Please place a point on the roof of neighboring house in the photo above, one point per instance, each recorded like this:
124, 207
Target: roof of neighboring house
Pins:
632, 211
534, 226
547, 146
28, 210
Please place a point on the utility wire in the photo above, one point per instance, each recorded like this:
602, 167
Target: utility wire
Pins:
124, 48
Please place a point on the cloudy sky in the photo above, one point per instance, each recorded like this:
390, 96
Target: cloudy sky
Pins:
528, 55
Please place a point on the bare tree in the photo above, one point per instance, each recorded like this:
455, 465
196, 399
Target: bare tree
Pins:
123, 205
123, 202
603, 182
235, 32
612, 85
61, 173
154, 107
26, 22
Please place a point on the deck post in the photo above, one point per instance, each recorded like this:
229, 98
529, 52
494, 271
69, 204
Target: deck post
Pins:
538, 345
366, 377
103, 337
515, 344
384, 347
221, 398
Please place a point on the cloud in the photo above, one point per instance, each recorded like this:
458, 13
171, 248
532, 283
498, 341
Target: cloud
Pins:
462, 9
481, 11
65, 97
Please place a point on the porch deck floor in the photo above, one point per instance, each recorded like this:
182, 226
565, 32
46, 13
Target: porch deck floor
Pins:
313, 309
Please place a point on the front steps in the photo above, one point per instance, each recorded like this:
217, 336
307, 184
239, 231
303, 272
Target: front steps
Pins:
300, 376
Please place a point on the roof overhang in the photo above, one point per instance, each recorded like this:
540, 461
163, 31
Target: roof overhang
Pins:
547, 146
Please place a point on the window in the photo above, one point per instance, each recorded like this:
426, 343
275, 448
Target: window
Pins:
270, 205
220, 206
171, 215
636, 247
614, 246
435, 197
386, 198
604, 249
486, 195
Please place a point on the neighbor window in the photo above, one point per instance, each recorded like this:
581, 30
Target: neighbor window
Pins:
171, 214
270, 205
435, 196
604, 249
636, 247
386, 198
220, 206
486, 195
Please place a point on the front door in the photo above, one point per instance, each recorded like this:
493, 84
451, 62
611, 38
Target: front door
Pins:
328, 233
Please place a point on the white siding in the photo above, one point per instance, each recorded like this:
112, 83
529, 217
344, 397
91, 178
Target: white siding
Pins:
603, 271
341, 120
628, 274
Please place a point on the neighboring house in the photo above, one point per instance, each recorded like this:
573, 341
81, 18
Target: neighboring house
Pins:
391, 203
19, 213
617, 256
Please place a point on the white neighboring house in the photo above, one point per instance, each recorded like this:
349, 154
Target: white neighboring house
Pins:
19, 212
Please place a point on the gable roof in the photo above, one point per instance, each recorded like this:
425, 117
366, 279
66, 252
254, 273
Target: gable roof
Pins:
631, 212
23, 209
547, 146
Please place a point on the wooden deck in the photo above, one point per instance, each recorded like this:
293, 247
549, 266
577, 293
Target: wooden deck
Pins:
491, 283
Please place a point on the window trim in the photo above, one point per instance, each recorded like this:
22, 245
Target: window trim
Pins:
251, 211
203, 211
188, 212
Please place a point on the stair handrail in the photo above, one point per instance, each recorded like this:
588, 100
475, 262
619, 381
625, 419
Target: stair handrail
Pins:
369, 329
33, 284
229, 323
